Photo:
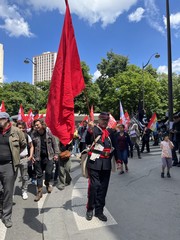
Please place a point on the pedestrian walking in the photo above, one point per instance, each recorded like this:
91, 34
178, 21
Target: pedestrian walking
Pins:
45, 151
135, 137
82, 131
25, 156
166, 155
99, 166
122, 144
145, 139
12, 142
64, 165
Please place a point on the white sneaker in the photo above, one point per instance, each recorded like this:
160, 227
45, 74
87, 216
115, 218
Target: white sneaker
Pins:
24, 196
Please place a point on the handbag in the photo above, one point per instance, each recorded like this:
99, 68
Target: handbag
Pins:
84, 157
65, 155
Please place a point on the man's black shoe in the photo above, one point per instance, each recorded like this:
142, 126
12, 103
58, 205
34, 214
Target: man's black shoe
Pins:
101, 217
162, 175
175, 163
168, 175
89, 215
7, 222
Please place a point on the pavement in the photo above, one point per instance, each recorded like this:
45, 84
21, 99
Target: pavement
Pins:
139, 206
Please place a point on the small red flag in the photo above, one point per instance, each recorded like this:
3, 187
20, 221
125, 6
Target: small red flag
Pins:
30, 118
128, 120
112, 122
21, 115
67, 82
84, 119
2, 107
91, 114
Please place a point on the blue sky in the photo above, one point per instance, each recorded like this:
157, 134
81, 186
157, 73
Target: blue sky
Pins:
133, 28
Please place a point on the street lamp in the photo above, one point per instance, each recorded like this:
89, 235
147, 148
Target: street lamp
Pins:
156, 55
27, 61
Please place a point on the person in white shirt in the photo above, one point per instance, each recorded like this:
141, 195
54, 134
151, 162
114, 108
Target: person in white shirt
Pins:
166, 155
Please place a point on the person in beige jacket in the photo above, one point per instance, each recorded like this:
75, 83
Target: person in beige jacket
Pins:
12, 142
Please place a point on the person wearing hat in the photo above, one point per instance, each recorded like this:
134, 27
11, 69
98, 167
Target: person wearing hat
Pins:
12, 142
99, 166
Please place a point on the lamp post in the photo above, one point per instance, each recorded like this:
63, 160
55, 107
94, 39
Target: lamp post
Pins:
27, 61
156, 55
170, 92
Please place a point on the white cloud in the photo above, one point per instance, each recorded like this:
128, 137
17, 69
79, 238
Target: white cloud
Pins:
153, 16
175, 67
93, 11
174, 20
137, 15
14, 23
96, 75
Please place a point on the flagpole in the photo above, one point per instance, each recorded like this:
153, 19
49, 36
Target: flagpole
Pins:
170, 92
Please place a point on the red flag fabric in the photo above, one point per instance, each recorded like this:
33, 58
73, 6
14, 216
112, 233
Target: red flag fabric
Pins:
84, 119
112, 122
67, 82
30, 118
91, 114
21, 116
2, 107
126, 115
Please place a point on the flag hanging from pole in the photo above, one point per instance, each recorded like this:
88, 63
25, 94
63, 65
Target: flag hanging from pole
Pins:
153, 123
112, 122
122, 117
21, 116
91, 114
128, 120
2, 107
67, 82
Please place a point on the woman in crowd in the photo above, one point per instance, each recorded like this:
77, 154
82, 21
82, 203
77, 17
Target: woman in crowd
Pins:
122, 142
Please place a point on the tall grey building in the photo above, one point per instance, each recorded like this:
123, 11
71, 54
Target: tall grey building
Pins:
1, 63
43, 66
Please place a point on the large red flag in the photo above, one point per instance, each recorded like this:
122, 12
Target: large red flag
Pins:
67, 82
2, 107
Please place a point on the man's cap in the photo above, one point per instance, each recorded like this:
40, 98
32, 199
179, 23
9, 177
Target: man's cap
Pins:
104, 116
4, 115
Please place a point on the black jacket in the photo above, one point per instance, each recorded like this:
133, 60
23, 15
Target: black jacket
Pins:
99, 163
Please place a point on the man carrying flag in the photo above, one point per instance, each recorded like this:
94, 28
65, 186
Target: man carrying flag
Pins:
67, 82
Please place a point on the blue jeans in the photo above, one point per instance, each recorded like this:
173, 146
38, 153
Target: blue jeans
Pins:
123, 156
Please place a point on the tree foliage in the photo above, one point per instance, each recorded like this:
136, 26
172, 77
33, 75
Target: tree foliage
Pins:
119, 81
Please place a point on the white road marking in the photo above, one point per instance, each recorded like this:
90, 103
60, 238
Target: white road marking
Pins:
79, 199
3, 230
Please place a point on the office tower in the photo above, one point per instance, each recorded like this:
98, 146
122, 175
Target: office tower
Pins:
1, 63
43, 66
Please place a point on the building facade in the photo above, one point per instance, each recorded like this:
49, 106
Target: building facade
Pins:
1, 63
43, 67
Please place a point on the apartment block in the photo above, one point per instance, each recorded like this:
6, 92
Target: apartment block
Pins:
43, 67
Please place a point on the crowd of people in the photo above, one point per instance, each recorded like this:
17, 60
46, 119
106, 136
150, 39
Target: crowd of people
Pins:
37, 152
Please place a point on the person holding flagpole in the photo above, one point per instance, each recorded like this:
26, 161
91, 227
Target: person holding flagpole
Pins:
99, 165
